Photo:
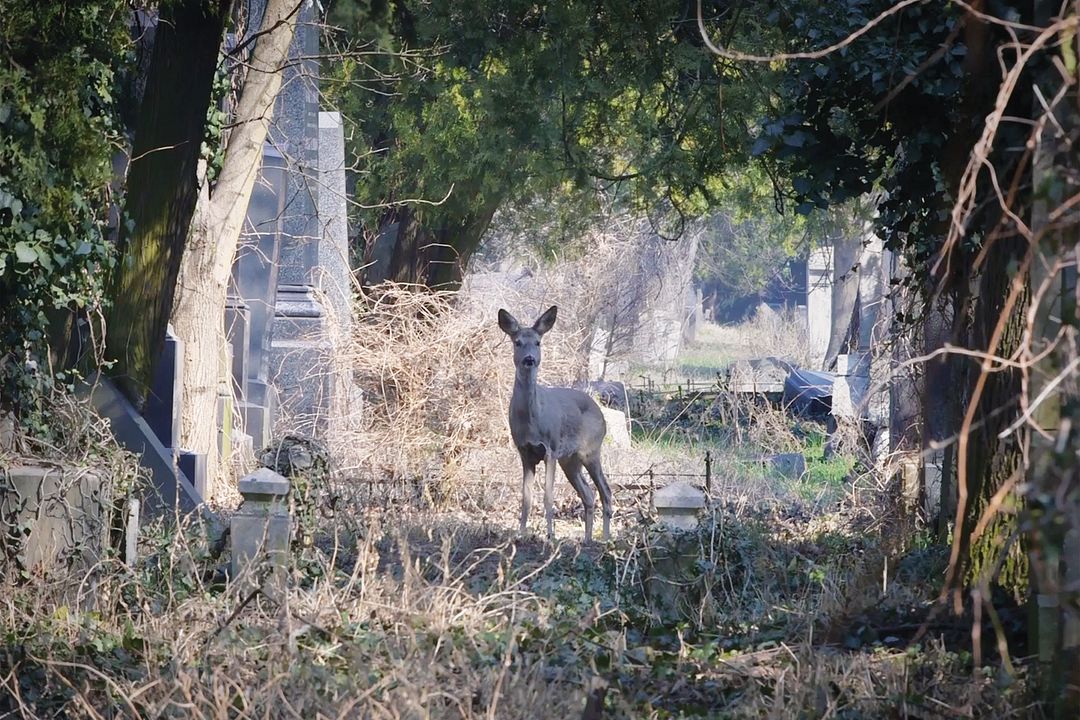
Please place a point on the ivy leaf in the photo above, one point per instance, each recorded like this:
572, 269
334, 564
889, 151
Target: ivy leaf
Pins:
760, 147
801, 185
25, 253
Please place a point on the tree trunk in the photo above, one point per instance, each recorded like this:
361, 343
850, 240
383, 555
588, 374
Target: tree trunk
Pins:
1053, 520
162, 187
432, 257
992, 461
198, 316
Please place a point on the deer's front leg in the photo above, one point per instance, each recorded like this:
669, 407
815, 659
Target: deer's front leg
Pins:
549, 494
527, 473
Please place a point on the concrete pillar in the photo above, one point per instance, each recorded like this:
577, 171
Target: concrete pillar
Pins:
819, 281
260, 532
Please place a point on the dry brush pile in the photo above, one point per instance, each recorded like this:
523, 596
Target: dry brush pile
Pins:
436, 379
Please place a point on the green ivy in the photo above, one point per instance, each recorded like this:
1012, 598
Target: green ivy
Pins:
58, 132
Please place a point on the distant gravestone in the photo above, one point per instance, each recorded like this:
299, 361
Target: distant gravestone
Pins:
788, 465
819, 283
852, 385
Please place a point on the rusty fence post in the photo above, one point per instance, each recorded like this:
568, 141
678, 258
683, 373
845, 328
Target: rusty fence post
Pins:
708, 474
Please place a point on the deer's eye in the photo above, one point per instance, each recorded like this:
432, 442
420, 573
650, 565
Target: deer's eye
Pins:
517, 343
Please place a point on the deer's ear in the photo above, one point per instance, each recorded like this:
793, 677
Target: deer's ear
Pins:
507, 322
545, 321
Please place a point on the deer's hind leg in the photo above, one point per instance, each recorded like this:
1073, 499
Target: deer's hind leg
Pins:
572, 467
597, 473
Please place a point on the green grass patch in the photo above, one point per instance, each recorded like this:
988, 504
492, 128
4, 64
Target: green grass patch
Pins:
825, 477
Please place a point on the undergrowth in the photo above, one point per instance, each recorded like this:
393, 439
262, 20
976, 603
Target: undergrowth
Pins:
407, 614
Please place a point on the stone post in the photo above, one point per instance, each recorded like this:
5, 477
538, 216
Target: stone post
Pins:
678, 505
260, 532
672, 557
819, 282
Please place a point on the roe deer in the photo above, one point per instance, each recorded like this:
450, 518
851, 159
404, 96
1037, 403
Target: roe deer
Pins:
554, 425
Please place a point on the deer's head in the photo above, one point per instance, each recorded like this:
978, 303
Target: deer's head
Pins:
527, 339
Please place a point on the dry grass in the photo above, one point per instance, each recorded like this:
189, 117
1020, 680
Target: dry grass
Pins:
404, 611
767, 334
409, 614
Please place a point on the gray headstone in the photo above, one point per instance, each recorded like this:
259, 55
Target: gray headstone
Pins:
333, 275
169, 488
300, 364
163, 404
295, 132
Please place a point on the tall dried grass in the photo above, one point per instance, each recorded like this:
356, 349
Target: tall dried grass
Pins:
769, 333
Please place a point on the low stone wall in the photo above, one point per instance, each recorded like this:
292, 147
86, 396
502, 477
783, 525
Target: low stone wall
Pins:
52, 517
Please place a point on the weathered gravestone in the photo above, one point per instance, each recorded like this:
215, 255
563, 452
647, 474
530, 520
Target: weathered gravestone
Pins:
819, 283
54, 516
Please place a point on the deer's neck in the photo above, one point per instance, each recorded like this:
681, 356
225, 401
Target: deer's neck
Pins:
523, 401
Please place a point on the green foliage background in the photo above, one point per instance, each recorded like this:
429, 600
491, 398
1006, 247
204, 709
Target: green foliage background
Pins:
58, 130
505, 102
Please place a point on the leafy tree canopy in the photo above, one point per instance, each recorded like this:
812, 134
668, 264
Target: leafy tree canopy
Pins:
513, 100
896, 110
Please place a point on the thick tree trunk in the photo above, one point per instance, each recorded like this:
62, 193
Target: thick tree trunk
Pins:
162, 187
992, 461
198, 316
431, 257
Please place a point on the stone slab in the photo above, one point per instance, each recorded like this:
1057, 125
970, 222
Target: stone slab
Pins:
170, 488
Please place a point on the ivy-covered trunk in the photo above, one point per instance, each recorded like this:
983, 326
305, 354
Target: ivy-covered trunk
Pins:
996, 554
162, 187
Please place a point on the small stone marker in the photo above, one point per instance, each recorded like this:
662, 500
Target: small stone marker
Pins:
261, 529
789, 465
678, 505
